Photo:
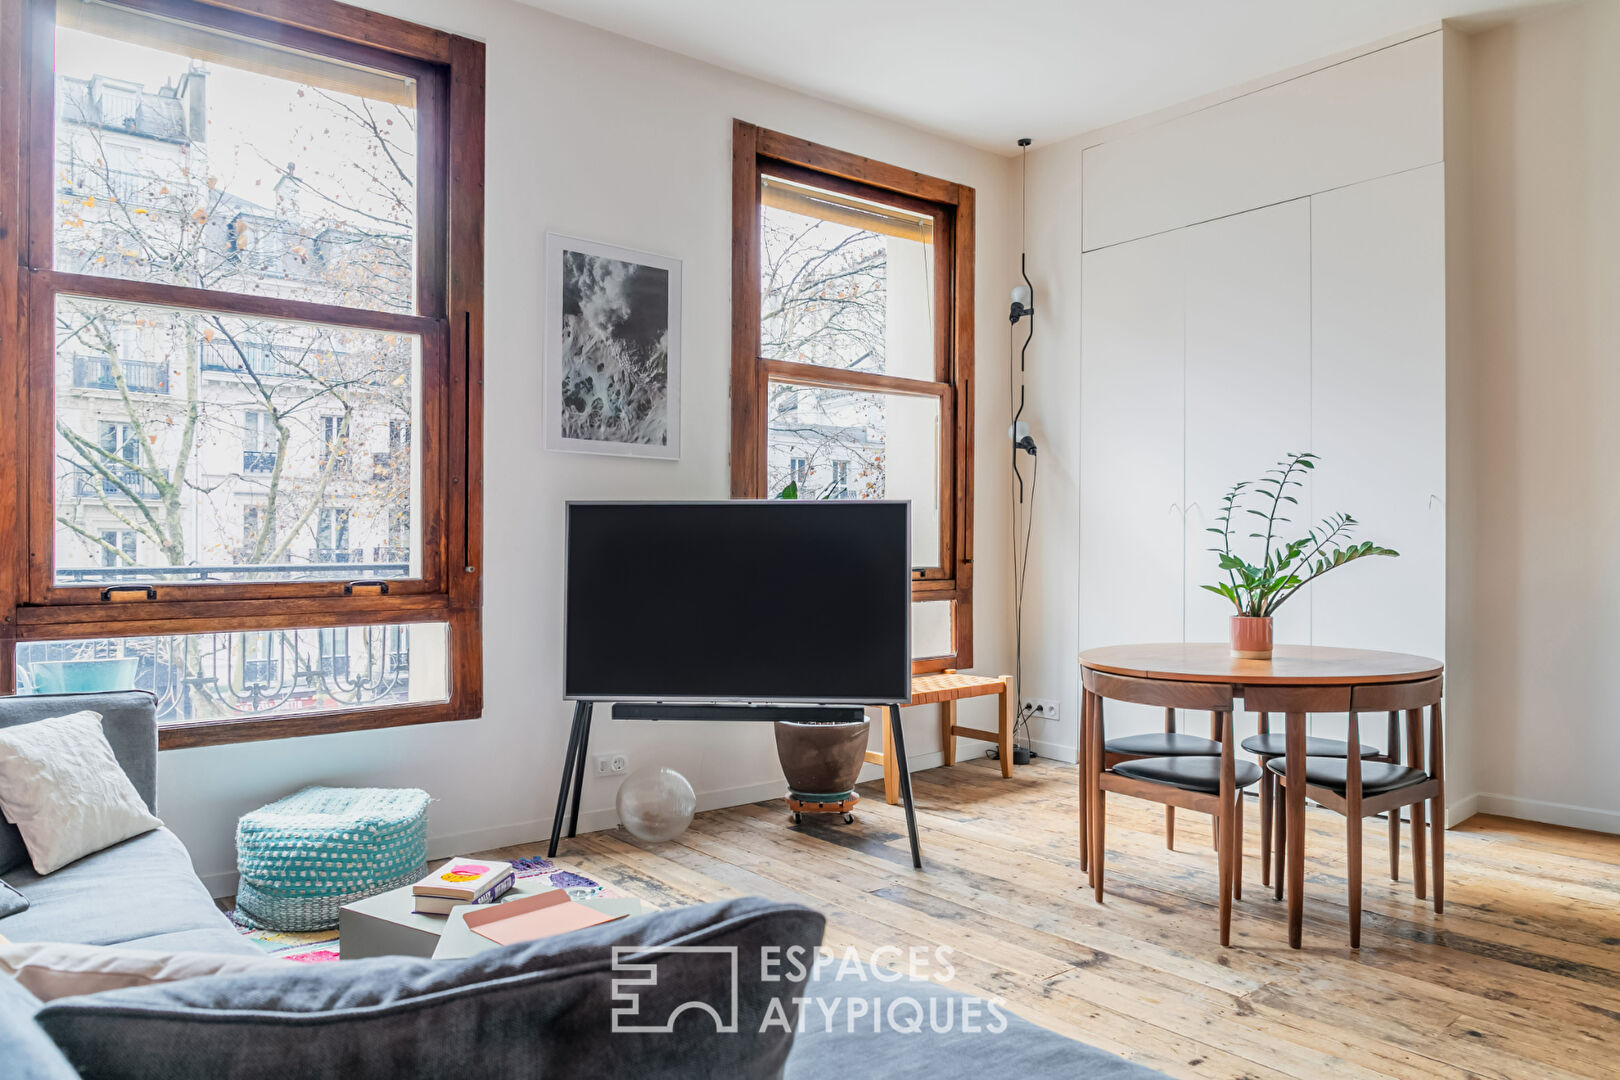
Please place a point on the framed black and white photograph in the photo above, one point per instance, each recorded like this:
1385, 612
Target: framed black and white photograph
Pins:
613, 350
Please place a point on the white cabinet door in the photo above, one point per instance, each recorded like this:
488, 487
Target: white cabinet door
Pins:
1248, 392
1378, 397
1131, 429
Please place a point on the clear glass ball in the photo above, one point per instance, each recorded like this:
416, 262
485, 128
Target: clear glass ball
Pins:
655, 803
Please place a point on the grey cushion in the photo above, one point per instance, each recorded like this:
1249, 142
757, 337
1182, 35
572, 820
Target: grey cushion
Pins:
544, 1008
1188, 773
129, 892
11, 901
1163, 744
1377, 777
129, 719
1003, 1045
25, 1051
1275, 744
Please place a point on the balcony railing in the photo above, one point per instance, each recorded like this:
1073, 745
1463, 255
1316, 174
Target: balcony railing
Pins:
96, 373
261, 360
235, 673
87, 484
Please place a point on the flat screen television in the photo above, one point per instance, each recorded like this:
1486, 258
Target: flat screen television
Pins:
744, 601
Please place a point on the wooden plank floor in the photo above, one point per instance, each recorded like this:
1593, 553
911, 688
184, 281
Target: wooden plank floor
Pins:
1520, 978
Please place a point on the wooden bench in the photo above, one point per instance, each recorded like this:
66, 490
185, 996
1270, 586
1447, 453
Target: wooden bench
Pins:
946, 688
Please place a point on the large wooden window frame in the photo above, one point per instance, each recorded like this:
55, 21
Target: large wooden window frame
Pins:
758, 152
449, 72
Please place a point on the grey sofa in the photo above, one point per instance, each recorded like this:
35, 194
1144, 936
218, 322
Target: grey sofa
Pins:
526, 1010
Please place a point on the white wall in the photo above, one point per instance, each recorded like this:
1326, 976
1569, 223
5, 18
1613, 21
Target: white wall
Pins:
604, 138
1545, 185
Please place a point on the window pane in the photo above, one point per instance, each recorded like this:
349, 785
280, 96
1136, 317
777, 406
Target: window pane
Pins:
232, 676
931, 629
845, 283
189, 157
849, 444
220, 448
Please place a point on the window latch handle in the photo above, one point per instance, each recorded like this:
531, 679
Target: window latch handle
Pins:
129, 592
380, 586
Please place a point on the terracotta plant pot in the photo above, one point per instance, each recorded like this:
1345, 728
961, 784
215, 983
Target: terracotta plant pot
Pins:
1251, 637
822, 759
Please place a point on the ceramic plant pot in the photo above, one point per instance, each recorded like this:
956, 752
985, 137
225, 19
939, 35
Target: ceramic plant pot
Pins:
822, 759
1251, 637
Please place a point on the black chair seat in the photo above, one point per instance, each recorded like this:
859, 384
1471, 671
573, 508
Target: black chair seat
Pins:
1377, 777
1163, 744
1202, 774
1276, 743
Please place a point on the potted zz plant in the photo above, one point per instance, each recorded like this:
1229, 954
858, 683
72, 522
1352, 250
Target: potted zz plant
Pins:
1285, 567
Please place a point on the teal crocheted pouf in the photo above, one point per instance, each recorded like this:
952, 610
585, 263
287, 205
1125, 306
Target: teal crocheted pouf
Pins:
303, 857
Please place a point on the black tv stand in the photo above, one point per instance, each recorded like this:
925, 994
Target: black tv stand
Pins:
579, 737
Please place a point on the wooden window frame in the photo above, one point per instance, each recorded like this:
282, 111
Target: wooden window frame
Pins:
758, 152
449, 322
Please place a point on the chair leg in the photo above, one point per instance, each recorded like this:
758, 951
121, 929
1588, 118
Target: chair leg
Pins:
1395, 844
1215, 823
1227, 833
1099, 800
1004, 745
1237, 846
1267, 784
1437, 810
1083, 753
947, 731
1170, 811
1099, 821
891, 775
1279, 855
1353, 835
1394, 745
1437, 769
1414, 758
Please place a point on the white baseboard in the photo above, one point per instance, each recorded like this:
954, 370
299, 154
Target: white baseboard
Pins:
1461, 810
1054, 750
1550, 813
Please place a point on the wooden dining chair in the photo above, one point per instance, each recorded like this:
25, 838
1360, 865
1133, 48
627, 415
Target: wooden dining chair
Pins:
1168, 743
1359, 788
1266, 745
1199, 782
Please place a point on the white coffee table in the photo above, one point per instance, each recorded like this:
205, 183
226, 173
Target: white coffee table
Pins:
385, 925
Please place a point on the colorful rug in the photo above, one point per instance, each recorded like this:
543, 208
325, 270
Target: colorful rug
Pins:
321, 946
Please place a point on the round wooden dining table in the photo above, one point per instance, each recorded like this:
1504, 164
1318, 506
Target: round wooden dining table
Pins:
1296, 681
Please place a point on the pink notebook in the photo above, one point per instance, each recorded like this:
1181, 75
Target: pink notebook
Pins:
532, 917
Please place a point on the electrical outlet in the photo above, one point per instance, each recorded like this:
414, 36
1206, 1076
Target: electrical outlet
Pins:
1045, 708
612, 764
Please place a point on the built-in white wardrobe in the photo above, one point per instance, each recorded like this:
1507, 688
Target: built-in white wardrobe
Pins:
1264, 275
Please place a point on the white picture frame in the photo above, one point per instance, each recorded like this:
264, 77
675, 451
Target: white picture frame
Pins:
613, 320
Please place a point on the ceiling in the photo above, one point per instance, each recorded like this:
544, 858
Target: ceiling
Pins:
990, 71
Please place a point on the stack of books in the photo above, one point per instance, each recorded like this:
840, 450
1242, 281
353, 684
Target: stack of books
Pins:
462, 881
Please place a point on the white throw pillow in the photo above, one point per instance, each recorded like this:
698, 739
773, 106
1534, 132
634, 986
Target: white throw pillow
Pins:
65, 791
51, 970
